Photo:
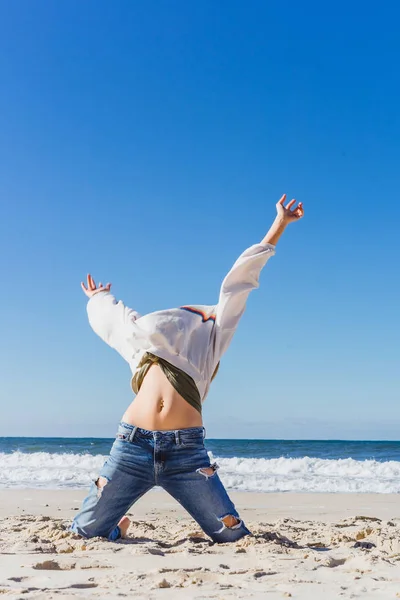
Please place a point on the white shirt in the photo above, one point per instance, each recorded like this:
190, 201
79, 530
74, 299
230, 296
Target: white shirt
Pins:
192, 338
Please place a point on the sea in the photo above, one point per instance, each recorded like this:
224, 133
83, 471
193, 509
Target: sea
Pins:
245, 465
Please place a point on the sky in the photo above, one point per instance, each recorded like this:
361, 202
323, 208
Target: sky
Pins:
147, 143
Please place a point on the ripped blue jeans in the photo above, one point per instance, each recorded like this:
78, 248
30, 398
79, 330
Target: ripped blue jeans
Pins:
178, 462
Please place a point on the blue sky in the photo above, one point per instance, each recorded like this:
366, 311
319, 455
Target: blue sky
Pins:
147, 142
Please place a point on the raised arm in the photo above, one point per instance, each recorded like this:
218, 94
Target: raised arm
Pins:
244, 276
111, 320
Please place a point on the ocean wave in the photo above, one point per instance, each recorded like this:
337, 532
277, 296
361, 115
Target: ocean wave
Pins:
46, 470
310, 475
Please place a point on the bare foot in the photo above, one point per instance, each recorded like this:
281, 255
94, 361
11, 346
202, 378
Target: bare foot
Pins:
124, 525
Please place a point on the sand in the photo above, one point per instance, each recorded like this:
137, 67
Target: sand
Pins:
305, 546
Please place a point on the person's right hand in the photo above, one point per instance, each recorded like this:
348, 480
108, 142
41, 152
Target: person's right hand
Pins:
91, 288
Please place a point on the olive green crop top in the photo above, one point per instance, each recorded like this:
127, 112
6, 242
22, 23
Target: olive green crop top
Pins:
180, 381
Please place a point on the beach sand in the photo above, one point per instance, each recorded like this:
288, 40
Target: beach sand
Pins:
303, 547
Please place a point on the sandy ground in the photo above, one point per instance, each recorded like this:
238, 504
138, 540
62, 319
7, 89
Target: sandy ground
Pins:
304, 546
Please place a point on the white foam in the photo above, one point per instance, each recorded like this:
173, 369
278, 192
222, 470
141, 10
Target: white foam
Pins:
310, 475
43, 469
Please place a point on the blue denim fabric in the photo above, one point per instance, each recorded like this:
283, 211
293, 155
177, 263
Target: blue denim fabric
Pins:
174, 460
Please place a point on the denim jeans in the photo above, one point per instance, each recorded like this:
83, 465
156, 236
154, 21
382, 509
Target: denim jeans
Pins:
174, 460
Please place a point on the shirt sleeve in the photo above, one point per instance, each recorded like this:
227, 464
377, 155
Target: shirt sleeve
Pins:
235, 289
113, 322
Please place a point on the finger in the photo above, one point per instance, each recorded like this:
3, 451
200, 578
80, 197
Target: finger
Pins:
299, 212
92, 283
83, 287
108, 287
282, 200
100, 285
89, 281
291, 203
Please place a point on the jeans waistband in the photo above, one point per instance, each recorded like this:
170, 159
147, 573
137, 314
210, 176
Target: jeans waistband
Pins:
179, 436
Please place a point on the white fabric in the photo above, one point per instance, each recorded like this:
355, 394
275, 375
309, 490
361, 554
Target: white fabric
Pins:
189, 340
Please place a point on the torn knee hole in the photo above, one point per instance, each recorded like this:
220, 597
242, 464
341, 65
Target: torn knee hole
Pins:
230, 521
100, 483
208, 471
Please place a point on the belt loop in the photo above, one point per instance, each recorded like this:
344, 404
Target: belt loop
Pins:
177, 437
204, 433
132, 434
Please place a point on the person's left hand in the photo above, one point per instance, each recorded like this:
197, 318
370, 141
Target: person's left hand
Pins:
92, 289
290, 212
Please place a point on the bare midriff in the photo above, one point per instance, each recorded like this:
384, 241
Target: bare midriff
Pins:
159, 407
